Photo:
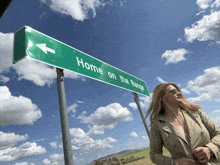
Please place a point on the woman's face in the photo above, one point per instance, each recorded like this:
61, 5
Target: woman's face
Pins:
172, 96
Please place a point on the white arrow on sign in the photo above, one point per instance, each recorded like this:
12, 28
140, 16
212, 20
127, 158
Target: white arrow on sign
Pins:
45, 48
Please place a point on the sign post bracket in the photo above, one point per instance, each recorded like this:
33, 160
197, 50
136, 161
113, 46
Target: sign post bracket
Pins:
136, 99
67, 147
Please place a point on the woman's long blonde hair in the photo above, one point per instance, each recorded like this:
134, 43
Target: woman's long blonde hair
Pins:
156, 105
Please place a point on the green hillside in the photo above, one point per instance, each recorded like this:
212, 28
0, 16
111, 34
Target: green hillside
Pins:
137, 154
141, 154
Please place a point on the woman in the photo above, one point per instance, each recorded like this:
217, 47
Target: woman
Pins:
182, 128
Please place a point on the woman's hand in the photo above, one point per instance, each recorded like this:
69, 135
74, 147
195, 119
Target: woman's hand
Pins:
202, 153
184, 161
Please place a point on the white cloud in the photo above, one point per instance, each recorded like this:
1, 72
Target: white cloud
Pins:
179, 40
79, 160
139, 144
101, 154
207, 86
17, 110
81, 102
144, 103
70, 74
77, 132
72, 108
133, 105
83, 79
83, 142
53, 145
133, 134
161, 80
204, 4
89, 145
174, 56
23, 151
146, 99
210, 77
23, 163
99, 129
39, 140
37, 72
108, 115
6, 50
77, 9
27, 69
10, 139
145, 138
185, 91
4, 79
56, 159
4, 93
41, 16
216, 120
202, 97
46, 161
131, 143
205, 29
216, 111
215, 5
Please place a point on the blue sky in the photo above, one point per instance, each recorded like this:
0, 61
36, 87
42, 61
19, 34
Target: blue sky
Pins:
156, 41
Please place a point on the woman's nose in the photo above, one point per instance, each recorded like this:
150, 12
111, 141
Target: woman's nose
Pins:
178, 94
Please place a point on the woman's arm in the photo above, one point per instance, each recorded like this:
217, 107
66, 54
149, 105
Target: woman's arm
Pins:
214, 132
156, 147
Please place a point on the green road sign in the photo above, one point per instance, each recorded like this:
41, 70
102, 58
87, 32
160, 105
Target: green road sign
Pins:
36, 45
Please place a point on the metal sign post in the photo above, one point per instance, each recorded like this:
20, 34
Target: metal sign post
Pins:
136, 99
67, 149
32, 44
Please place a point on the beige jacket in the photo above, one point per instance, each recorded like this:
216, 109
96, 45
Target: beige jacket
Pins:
201, 129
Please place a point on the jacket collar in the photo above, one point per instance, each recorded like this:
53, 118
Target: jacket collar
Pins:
168, 127
190, 117
163, 117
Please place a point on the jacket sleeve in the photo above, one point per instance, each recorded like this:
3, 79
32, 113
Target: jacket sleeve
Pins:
156, 147
214, 132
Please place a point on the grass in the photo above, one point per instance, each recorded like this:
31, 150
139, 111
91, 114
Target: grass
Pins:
141, 154
146, 160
